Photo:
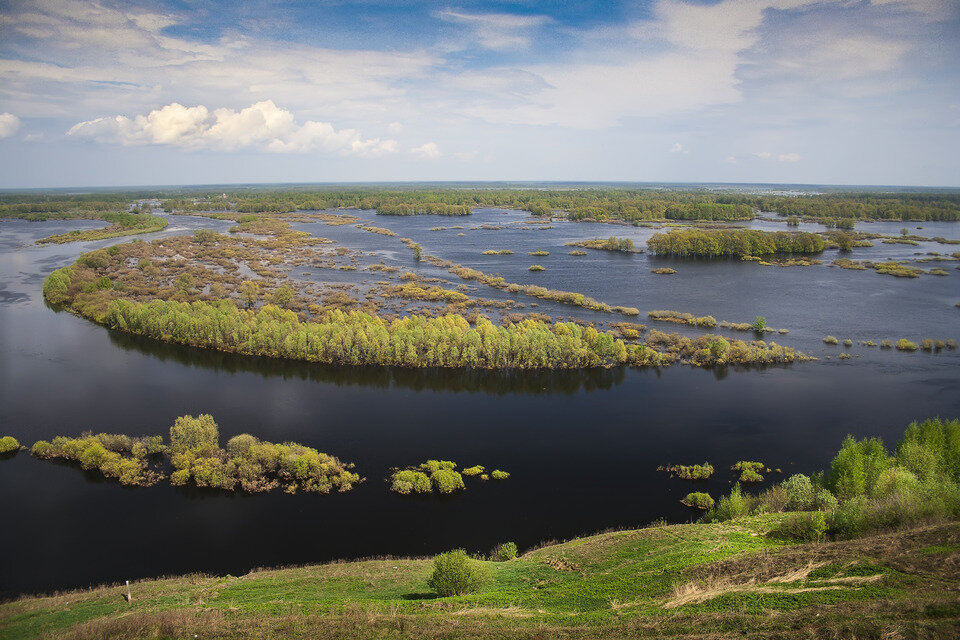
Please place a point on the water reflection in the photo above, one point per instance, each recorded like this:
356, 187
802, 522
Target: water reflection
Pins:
498, 383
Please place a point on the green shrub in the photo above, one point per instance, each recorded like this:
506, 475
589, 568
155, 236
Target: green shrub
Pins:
446, 480
759, 324
435, 465
8, 444
905, 345
455, 573
473, 471
826, 501
410, 481
735, 505
698, 500
886, 344
504, 552
537, 267
810, 527
831, 340
893, 481
800, 492
496, 474
848, 342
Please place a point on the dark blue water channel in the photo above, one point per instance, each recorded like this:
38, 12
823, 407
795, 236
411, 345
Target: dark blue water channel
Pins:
583, 448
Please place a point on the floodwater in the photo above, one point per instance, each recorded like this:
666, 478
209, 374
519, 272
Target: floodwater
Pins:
582, 447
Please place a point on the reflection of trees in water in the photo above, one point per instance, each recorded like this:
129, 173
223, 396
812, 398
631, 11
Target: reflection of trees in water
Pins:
493, 382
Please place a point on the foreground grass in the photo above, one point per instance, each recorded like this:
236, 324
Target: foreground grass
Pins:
718, 580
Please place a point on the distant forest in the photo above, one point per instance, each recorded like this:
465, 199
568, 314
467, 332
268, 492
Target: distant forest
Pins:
588, 203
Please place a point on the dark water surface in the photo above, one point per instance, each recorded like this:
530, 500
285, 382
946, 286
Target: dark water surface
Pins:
582, 448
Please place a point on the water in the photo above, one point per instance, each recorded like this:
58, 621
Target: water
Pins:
582, 447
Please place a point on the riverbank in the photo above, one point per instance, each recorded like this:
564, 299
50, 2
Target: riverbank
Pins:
728, 579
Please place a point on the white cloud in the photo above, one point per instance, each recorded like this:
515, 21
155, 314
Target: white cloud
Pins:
427, 150
676, 148
789, 157
262, 126
499, 31
9, 124
394, 128
730, 160
763, 155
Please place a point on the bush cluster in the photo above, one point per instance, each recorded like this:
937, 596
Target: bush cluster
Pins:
116, 456
8, 444
866, 487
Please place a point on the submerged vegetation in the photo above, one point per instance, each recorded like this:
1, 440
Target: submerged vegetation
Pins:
750, 471
690, 471
195, 454
116, 456
438, 475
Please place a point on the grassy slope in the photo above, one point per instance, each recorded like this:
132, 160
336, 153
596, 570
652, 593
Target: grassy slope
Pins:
721, 580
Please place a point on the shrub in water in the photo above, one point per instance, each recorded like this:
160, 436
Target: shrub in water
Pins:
8, 444
830, 340
699, 500
496, 474
905, 345
446, 480
473, 471
409, 481
750, 471
455, 573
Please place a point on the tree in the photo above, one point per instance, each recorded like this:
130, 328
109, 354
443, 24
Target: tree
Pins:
759, 324
194, 434
249, 292
283, 296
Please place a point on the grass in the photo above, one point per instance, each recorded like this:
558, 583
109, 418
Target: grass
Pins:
665, 581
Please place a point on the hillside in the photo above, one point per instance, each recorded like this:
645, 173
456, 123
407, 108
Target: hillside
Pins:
693, 580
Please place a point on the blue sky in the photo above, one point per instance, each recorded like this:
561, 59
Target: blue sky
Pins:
187, 92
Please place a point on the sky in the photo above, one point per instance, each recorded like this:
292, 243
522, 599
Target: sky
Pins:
182, 92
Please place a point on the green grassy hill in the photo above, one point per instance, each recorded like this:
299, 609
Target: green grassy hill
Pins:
695, 580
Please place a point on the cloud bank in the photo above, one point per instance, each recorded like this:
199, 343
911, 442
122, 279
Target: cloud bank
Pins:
263, 126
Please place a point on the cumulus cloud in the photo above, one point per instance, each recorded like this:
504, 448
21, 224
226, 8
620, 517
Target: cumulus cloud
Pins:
499, 31
9, 124
263, 126
730, 160
676, 148
427, 150
789, 157
763, 155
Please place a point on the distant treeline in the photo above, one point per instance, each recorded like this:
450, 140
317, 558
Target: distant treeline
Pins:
602, 204
740, 242
870, 206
